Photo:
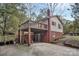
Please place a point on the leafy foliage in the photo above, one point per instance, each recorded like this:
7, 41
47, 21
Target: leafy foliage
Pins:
11, 16
75, 14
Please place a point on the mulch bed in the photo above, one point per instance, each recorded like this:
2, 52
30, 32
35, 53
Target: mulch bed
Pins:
72, 43
6, 43
2, 43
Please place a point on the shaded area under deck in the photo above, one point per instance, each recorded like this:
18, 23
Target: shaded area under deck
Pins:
37, 35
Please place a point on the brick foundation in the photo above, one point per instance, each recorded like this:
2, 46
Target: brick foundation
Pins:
56, 35
45, 37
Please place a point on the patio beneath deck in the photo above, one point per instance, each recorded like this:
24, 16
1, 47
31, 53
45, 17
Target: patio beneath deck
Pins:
33, 35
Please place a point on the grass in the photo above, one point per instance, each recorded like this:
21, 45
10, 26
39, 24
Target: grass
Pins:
7, 38
75, 37
72, 37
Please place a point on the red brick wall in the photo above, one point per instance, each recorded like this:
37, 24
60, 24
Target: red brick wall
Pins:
26, 37
56, 35
45, 37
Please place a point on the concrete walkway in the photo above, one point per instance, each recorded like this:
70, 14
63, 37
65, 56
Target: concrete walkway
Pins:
38, 49
53, 50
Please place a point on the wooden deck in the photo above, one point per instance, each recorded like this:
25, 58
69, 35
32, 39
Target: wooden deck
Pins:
35, 26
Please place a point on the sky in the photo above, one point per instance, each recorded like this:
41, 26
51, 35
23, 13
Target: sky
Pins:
63, 9
67, 13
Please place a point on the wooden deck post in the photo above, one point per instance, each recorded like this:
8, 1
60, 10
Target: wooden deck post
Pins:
29, 36
22, 37
18, 38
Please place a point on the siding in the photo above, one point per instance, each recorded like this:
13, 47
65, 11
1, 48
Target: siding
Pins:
36, 25
55, 28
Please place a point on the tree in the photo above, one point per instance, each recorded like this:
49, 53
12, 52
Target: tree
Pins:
42, 14
11, 16
66, 26
43, 11
75, 15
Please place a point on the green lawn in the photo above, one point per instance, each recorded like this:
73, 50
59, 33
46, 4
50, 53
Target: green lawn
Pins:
72, 37
75, 37
7, 38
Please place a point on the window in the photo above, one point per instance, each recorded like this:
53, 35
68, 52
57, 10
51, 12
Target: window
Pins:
45, 26
53, 23
40, 25
59, 26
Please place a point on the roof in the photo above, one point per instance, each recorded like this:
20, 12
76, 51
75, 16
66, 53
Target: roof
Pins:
44, 19
27, 21
51, 17
59, 19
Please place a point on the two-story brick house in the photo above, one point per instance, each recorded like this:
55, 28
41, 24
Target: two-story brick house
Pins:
47, 29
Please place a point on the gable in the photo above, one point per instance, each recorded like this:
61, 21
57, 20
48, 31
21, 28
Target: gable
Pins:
58, 17
57, 26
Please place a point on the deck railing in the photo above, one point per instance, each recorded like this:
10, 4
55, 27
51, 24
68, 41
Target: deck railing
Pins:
36, 25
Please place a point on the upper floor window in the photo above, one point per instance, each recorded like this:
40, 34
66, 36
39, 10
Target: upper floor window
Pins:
59, 26
45, 26
54, 23
40, 25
